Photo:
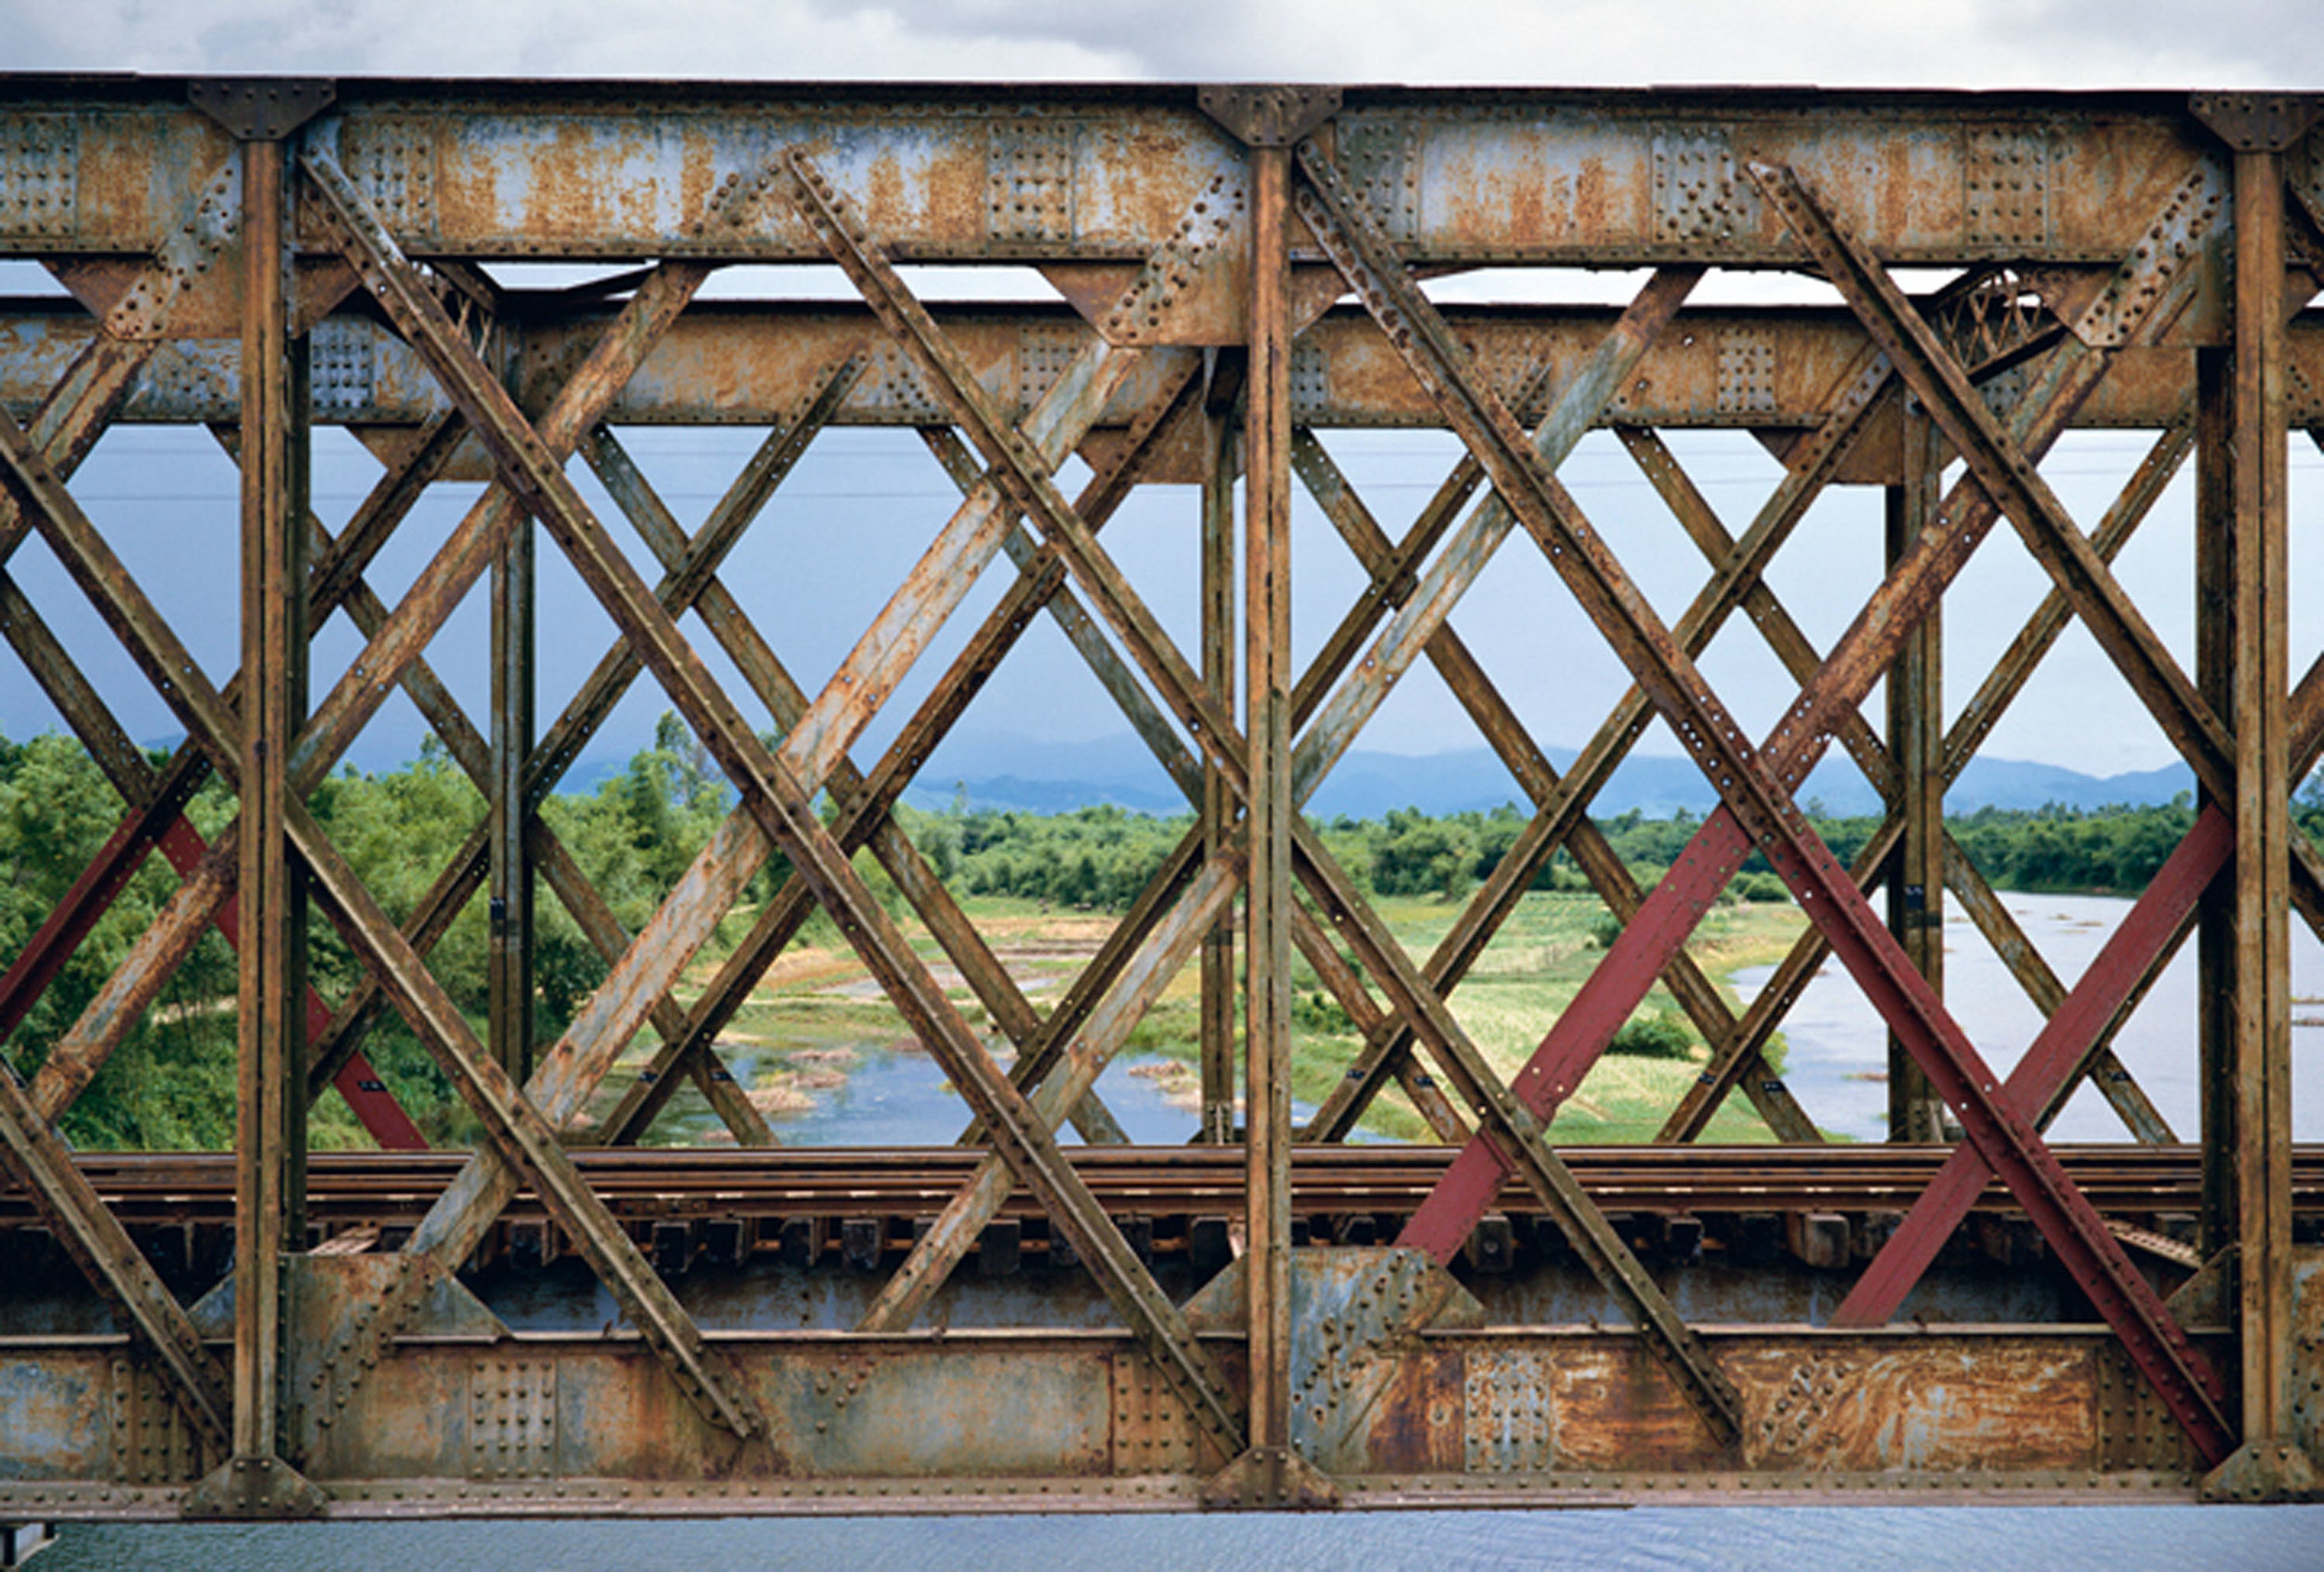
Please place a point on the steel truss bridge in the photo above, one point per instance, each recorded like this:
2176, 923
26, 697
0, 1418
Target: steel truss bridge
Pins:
1268, 1317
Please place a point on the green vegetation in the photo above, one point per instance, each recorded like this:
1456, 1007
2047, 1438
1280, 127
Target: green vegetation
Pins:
1041, 887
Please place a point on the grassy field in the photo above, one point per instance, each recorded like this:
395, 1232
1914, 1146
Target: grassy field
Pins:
818, 998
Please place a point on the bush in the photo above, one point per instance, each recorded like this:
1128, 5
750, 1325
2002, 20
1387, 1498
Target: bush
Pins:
1604, 929
1660, 1036
1315, 1010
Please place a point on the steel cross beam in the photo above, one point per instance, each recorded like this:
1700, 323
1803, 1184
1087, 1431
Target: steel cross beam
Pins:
1859, 394
948, 699
776, 799
2066, 1048
1696, 993
1757, 797
1975, 721
2039, 1084
788, 703
713, 881
72, 418
1153, 728
1872, 756
524, 1140
692, 569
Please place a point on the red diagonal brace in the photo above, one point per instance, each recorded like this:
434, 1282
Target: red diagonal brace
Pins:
2146, 934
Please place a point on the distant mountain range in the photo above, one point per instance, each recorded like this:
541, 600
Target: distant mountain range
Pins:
1046, 777
1053, 777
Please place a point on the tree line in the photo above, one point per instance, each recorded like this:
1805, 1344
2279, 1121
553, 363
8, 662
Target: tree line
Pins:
172, 1082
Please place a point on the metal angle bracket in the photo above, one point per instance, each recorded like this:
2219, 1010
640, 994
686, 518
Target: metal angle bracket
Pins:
257, 1487
262, 109
2257, 122
1274, 117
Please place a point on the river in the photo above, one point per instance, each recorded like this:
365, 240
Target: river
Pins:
1835, 1053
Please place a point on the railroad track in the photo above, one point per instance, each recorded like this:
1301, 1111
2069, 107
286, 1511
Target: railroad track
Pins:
646, 1183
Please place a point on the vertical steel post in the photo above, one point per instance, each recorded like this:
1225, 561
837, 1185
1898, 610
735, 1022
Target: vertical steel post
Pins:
510, 987
1916, 740
2262, 869
1267, 728
2214, 668
1218, 801
269, 1133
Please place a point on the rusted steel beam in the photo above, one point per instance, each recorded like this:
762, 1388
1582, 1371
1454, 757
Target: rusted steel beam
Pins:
871, 798
611, 170
2216, 1007
732, 363
1268, 808
2261, 791
271, 1124
510, 919
1217, 1037
1915, 695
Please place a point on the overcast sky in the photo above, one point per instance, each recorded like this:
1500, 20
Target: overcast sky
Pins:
1950, 43
2078, 714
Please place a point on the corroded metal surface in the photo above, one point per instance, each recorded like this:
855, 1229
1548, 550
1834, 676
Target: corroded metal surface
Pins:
1221, 274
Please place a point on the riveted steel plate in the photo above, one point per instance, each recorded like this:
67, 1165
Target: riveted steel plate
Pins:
512, 1419
1511, 1418
2005, 178
1029, 194
1381, 158
1747, 374
40, 165
152, 1444
392, 161
1700, 196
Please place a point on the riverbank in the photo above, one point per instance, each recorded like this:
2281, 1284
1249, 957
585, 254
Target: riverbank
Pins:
818, 1019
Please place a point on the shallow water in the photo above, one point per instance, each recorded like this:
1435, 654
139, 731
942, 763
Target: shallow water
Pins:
1837, 1051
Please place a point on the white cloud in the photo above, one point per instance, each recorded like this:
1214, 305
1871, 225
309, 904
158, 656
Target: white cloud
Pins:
1881, 42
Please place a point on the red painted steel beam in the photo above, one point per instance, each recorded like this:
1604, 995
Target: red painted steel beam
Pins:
2146, 936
